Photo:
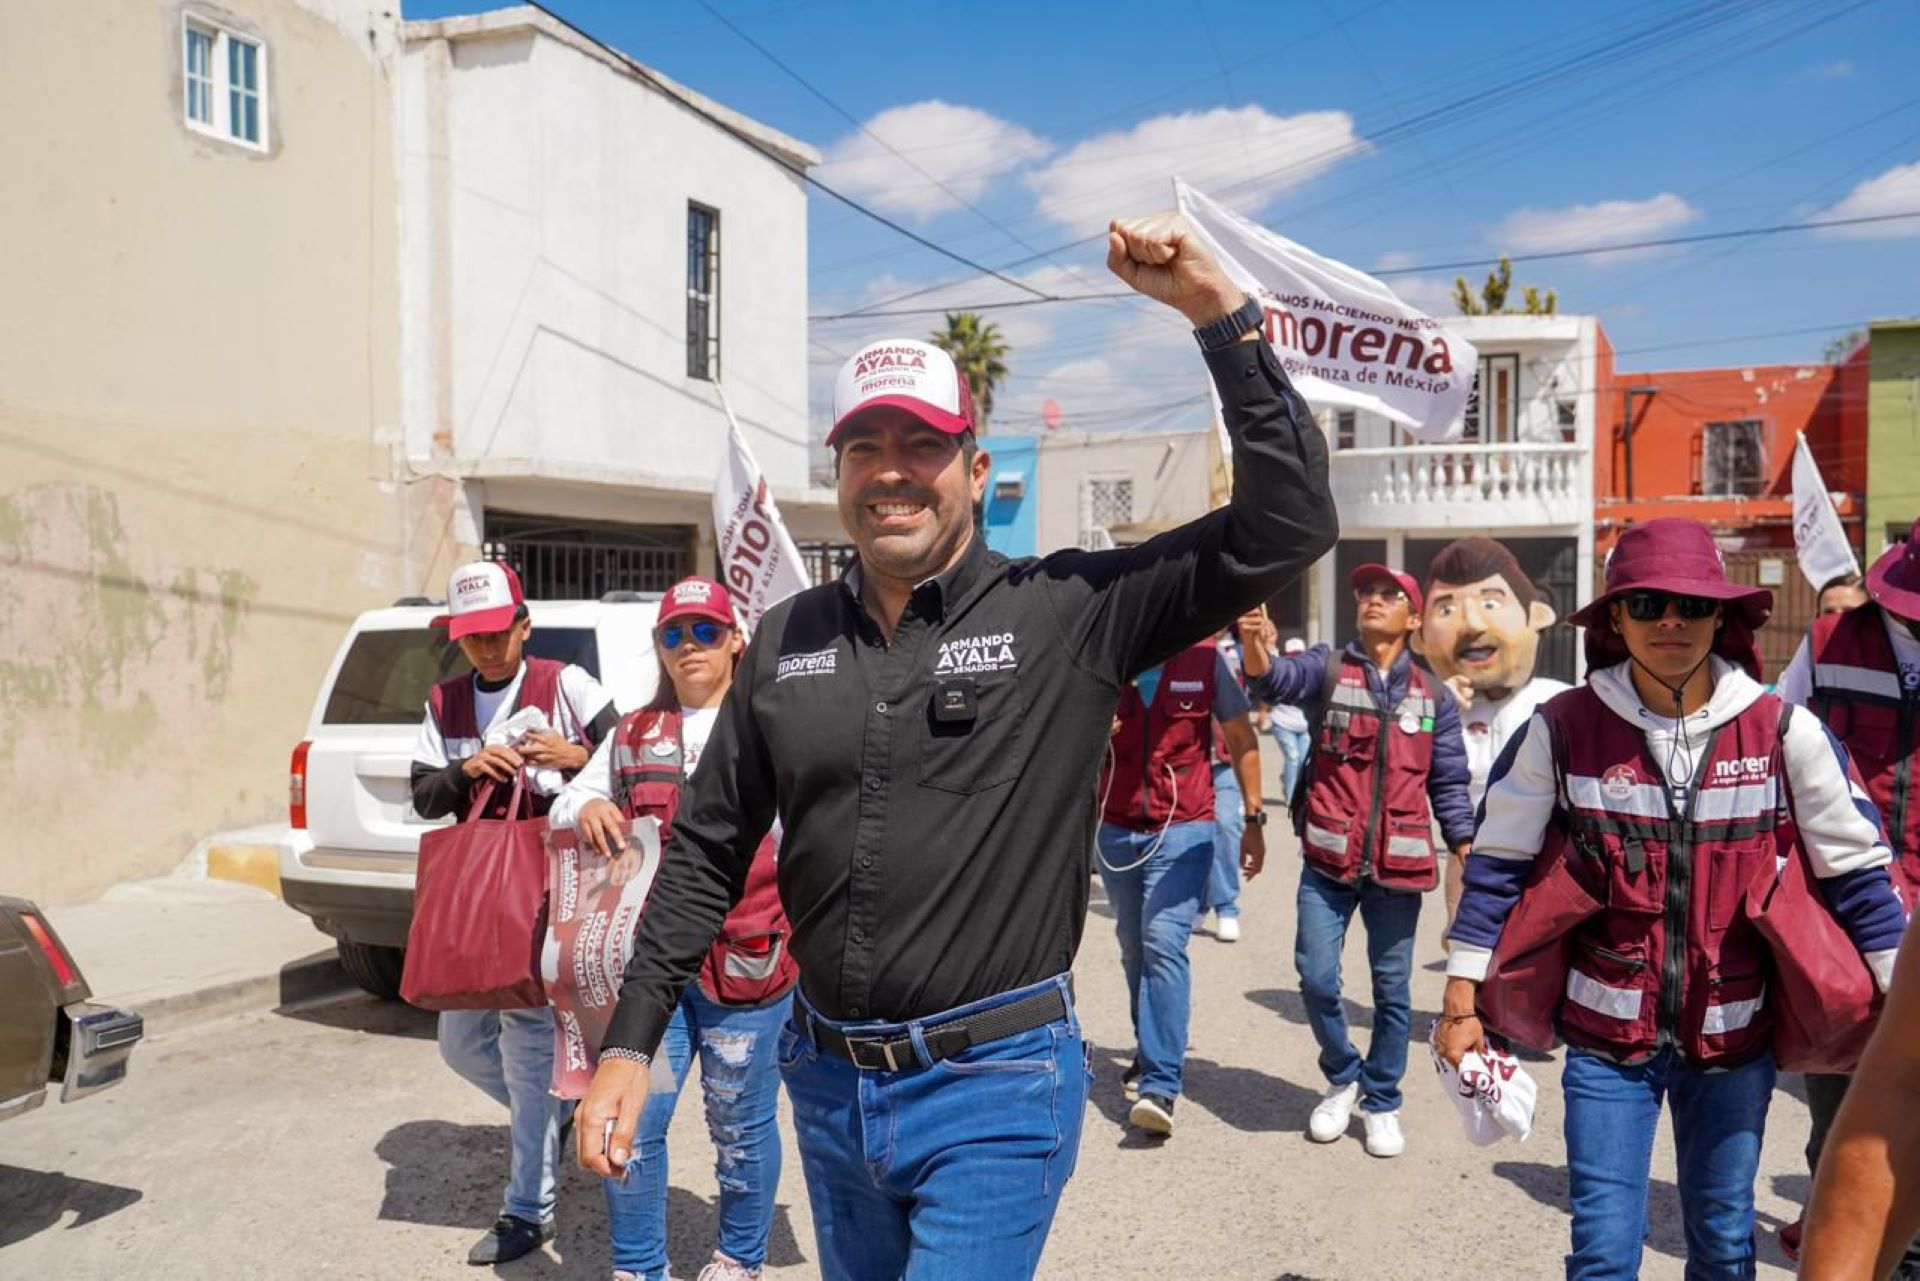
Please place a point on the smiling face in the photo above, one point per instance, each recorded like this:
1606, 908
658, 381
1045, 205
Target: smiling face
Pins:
1480, 630
907, 493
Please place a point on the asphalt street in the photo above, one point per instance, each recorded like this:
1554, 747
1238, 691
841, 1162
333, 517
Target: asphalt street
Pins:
331, 1141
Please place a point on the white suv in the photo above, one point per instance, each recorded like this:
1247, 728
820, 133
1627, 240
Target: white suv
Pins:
349, 859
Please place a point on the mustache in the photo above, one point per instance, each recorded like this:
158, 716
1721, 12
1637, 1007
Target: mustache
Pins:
895, 494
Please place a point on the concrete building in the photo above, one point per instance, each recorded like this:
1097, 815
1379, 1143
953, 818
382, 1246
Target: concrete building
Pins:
1010, 514
1100, 489
1890, 361
1523, 473
591, 253
198, 403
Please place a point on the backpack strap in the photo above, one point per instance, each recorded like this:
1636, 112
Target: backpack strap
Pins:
1336, 661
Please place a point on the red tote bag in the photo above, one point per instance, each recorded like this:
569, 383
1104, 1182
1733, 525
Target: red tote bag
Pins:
1825, 1000
480, 912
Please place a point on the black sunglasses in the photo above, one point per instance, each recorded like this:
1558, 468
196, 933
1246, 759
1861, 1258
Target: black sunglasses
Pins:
1651, 606
706, 633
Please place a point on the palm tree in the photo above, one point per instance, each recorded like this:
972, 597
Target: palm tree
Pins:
980, 352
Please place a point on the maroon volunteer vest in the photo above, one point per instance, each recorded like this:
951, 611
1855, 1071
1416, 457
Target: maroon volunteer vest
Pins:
1159, 767
1670, 957
1367, 811
451, 703
750, 963
1858, 693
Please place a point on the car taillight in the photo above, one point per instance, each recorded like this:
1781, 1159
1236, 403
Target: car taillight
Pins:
297, 789
63, 970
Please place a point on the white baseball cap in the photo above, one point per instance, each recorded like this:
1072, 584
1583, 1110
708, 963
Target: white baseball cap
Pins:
1295, 645
903, 374
482, 596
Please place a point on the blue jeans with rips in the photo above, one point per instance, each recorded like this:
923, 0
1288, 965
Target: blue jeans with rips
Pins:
1719, 1119
740, 1084
508, 1054
1154, 902
1229, 824
1326, 906
943, 1173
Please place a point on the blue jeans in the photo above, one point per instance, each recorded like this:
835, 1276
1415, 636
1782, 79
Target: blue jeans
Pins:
1153, 909
945, 1173
1718, 1121
1325, 908
1229, 822
508, 1054
1293, 750
740, 1082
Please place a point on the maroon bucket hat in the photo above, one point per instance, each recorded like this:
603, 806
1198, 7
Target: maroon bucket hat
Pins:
1894, 580
1679, 556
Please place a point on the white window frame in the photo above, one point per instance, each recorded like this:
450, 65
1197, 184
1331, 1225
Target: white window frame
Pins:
1725, 484
1088, 525
220, 128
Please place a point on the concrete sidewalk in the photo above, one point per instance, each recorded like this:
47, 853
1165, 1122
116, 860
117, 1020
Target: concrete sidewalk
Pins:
179, 949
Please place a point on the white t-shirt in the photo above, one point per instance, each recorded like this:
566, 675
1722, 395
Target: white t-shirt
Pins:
1487, 724
581, 699
595, 782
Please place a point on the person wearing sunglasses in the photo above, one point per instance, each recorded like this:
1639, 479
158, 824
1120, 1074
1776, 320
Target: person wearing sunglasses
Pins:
1385, 757
732, 1015
1604, 895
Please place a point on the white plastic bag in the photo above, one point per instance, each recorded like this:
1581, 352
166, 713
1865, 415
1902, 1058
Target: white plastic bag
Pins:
1492, 1092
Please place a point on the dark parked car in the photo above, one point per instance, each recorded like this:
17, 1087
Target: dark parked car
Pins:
50, 1029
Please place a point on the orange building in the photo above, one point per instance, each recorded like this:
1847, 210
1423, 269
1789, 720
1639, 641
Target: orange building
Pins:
1717, 445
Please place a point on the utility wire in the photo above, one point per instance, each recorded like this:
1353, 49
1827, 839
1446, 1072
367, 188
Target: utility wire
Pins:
1457, 265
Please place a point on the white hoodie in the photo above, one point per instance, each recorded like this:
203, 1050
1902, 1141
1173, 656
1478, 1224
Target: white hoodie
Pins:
1832, 813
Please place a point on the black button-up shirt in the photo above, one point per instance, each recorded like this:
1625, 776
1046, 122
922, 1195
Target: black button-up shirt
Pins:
938, 791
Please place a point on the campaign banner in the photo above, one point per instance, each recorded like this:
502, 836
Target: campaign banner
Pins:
758, 562
593, 908
1819, 539
1344, 337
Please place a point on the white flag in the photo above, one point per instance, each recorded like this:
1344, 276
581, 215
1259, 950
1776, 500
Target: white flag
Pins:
758, 562
1819, 539
1344, 338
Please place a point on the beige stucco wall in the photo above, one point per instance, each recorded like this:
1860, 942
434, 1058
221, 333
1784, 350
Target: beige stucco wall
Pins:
197, 400
1169, 471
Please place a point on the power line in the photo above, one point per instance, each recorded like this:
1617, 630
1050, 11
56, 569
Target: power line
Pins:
1586, 251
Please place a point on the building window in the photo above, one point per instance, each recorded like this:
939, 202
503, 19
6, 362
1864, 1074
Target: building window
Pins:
703, 292
1106, 502
1493, 406
1346, 428
1566, 416
1734, 459
224, 83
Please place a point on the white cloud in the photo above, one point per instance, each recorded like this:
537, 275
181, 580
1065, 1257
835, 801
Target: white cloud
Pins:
962, 147
1895, 191
1429, 293
1840, 70
1610, 222
1243, 157
1394, 260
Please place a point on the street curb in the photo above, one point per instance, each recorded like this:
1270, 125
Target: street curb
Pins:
305, 981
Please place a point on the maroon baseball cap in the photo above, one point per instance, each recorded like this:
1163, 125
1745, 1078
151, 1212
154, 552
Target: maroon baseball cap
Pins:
901, 373
1374, 573
1894, 580
1677, 556
696, 598
482, 596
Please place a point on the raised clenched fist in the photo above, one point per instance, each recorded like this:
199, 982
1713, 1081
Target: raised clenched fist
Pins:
1161, 257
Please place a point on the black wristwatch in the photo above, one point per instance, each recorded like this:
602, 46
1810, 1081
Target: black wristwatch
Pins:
1258, 818
1230, 328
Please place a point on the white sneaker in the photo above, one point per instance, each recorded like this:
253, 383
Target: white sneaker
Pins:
726, 1268
1383, 1133
1228, 930
1331, 1114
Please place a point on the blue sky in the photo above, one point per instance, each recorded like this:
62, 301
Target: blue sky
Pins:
1387, 133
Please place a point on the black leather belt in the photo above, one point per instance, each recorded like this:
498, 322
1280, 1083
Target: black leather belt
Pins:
943, 1040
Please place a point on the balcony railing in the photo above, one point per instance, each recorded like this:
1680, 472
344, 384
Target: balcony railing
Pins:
1464, 485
